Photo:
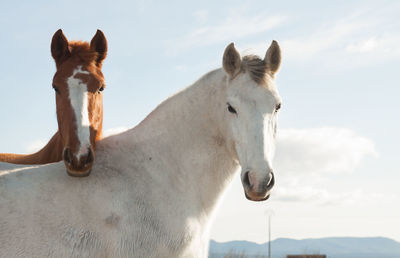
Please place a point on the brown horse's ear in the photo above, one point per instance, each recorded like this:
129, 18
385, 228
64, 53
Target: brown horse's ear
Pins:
273, 57
59, 47
99, 44
231, 61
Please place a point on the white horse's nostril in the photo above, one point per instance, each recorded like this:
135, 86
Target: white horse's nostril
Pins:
271, 181
246, 179
271, 175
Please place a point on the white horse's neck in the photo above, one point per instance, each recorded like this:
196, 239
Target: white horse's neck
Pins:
187, 134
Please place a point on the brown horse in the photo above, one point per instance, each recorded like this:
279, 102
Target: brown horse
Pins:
78, 84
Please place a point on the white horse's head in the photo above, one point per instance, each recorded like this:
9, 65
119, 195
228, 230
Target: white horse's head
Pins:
252, 104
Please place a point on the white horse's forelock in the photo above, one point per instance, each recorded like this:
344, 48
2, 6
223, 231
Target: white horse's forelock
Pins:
78, 96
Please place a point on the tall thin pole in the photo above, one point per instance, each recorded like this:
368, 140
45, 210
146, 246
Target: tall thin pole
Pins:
269, 236
269, 212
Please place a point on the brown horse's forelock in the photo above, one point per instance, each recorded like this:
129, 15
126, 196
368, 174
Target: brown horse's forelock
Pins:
81, 50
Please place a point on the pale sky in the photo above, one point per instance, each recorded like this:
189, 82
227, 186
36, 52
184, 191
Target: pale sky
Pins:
337, 163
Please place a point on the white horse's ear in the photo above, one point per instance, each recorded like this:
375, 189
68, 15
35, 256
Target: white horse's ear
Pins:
232, 60
273, 57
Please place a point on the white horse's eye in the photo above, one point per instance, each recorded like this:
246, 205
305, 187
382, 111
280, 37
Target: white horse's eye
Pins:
278, 106
231, 109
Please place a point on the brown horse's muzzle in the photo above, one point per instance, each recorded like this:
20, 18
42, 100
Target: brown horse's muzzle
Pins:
78, 165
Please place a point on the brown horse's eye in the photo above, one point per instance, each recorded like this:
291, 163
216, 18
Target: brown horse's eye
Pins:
101, 89
56, 89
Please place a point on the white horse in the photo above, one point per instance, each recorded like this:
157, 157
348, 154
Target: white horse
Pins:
154, 189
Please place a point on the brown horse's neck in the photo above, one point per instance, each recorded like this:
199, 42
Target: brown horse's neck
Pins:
52, 152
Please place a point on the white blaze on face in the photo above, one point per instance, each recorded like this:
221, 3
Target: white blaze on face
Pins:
78, 95
253, 126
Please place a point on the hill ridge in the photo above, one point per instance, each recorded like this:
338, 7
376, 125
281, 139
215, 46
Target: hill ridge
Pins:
334, 247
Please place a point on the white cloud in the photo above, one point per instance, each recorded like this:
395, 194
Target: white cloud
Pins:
181, 67
325, 38
362, 46
308, 192
201, 15
298, 193
361, 38
115, 130
36, 145
233, 27
380, 48
306, 160
321, 150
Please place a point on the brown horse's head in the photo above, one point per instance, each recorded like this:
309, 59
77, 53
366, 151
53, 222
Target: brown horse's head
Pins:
78, 84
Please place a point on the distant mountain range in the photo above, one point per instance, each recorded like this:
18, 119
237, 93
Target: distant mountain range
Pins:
333, 247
